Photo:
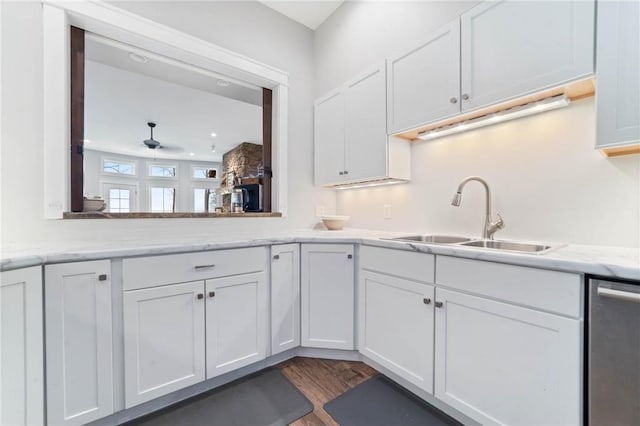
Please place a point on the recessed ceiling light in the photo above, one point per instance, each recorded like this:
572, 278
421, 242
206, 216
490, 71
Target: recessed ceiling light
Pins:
191, 154
138, 58
223, 83
213, 135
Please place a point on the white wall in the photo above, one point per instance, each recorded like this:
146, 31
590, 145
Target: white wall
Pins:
547, 180
245, 27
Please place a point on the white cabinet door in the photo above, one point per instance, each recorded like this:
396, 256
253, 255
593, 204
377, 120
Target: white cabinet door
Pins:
163, 340
78, 342
511, 48
327, 281
285, 297
618, 73
365, 126
504, 364
329, 138
396, 326
21, 352
423, 85
237, 322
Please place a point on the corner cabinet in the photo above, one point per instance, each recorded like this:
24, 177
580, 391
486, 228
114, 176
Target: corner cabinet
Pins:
350, 134
21, 352
327, 283
285, 297
79, 352
618, 74
495, 52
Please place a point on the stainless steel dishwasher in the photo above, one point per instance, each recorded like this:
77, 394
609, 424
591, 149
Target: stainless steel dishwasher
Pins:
614, 353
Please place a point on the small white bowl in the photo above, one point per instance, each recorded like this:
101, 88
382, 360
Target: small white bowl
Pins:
335, 223
93, 205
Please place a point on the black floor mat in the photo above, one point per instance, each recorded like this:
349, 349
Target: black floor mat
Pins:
264, 399
381, 402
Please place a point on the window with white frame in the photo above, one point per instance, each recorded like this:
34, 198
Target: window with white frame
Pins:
204, 173
119, 200
162, 171
162, 199
199, 199
118, 167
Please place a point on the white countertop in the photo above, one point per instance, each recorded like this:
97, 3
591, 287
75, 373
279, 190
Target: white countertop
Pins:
597, 260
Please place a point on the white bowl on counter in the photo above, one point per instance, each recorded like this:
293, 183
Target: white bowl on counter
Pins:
93, 205
335, 222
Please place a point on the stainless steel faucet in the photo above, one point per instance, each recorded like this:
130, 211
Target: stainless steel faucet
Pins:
490, 227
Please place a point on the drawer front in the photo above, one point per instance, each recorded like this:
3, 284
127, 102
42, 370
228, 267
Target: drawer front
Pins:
400, 263
559, 292
153, 271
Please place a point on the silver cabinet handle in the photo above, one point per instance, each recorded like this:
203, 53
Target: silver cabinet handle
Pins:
199, 267
465, 97
102, 277
453, 100
426, 300
438, 304
619, 294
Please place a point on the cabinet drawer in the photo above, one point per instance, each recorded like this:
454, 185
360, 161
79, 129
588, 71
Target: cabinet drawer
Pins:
552, 291
152, 271
404, 264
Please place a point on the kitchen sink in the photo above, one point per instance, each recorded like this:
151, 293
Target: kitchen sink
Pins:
434, 239
508, 245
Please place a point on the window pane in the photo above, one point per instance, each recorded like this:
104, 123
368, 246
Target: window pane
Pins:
198, 199
162, 200
162, 171
199, 173
121, 168
119, 200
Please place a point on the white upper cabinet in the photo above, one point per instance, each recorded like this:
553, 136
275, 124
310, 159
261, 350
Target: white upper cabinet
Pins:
327, 283
285, 297
618, 74
493, 53
513, 48
424, 84
21, 352
237, 322
329, 138
78, 342
350, 131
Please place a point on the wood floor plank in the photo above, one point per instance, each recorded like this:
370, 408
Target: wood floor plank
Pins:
322, 380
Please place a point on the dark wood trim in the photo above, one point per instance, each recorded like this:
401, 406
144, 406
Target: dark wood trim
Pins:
77, 118
267, 126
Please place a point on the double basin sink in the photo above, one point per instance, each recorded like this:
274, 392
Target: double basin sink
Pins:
486, 244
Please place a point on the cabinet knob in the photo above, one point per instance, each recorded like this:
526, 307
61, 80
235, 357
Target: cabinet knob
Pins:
102, 277
340, 173
346, 172
465, 97
349, 256
200, 296
453, 100
426, 300
212, 294
438, 304
276, 257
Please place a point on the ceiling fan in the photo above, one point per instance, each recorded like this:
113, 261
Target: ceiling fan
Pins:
153, 144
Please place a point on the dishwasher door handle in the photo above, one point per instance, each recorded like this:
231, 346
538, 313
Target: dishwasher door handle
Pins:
619, 294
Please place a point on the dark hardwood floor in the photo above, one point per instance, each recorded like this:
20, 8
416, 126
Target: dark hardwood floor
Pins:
321, 380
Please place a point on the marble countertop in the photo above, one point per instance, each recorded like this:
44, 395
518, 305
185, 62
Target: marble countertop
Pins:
613, 262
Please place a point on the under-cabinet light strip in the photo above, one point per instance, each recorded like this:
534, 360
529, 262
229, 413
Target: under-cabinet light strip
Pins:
531, 108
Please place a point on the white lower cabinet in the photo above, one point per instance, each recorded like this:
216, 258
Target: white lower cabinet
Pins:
21, 352
285, 297
396, 325
237, 322
327, 285
500, 363
79, 348
164, 340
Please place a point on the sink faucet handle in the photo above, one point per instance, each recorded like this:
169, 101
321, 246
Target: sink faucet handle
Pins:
500, 223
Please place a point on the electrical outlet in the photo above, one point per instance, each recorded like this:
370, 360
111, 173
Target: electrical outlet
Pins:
387, 211
319, 210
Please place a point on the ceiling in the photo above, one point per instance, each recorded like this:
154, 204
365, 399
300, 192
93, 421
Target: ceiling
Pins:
187, 106
310, 13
